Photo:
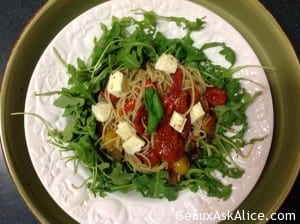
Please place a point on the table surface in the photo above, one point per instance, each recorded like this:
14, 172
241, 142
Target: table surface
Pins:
14, 15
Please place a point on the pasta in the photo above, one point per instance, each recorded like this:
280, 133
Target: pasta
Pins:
134, 84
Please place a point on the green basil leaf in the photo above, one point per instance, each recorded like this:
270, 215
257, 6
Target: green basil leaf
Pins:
154, 108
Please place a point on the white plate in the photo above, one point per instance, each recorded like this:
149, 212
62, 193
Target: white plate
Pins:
57, 176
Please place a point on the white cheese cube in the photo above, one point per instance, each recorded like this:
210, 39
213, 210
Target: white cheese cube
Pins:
133, 144
177, 121
197, 112
125, 130
101, 110
115, 82
166, 63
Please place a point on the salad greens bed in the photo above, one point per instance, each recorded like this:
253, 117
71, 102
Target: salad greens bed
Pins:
119, 48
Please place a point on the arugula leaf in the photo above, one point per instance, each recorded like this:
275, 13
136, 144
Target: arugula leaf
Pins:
180, 21
128, 58
65, 101
155, 185
220, 163
198, 178
191, 26
69, 130
229, 54
226, 51
120, 177
84, 150
212, 74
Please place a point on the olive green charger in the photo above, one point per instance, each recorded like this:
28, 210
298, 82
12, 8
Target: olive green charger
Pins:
250, 18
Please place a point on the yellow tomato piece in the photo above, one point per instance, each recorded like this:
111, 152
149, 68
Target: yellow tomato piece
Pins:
109, 140
116, 155
182, 165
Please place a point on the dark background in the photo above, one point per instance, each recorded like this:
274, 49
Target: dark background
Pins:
14, 15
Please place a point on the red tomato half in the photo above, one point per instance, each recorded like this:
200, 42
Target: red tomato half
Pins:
114, 99
168, 144
129, 105
140, 115
215, 96
153, 158
181, 102
170, 97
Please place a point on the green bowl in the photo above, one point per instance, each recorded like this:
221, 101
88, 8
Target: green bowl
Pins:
261, 31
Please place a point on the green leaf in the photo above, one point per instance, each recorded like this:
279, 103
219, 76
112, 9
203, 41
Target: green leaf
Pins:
103, 166
128, 58
229, 54
220, 163
233, 90
189, 25
84, 150
180, 21
199, 178
212, 74
65, 101
119, 176
154, 185
154, 108
81, 64
226, 51
69, 130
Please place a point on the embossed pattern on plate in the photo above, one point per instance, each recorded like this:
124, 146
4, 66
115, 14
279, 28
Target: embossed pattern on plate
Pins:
57, 176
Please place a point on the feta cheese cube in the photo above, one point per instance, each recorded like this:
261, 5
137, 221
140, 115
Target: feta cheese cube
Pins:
166, 63
197, 112
133, 144
102, 111
115, 82
125, 130
177, 121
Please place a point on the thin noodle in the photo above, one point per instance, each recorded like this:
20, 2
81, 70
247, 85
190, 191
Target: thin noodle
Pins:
133, 88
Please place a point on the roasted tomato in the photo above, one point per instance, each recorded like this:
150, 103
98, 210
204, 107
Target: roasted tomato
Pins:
181, 102
130, 104
154, 159
173, 177
209, 123
215, 96
194, 153
139, 117
170, 98
114, 100
109, 141
168, 144
186, 130
116, 155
